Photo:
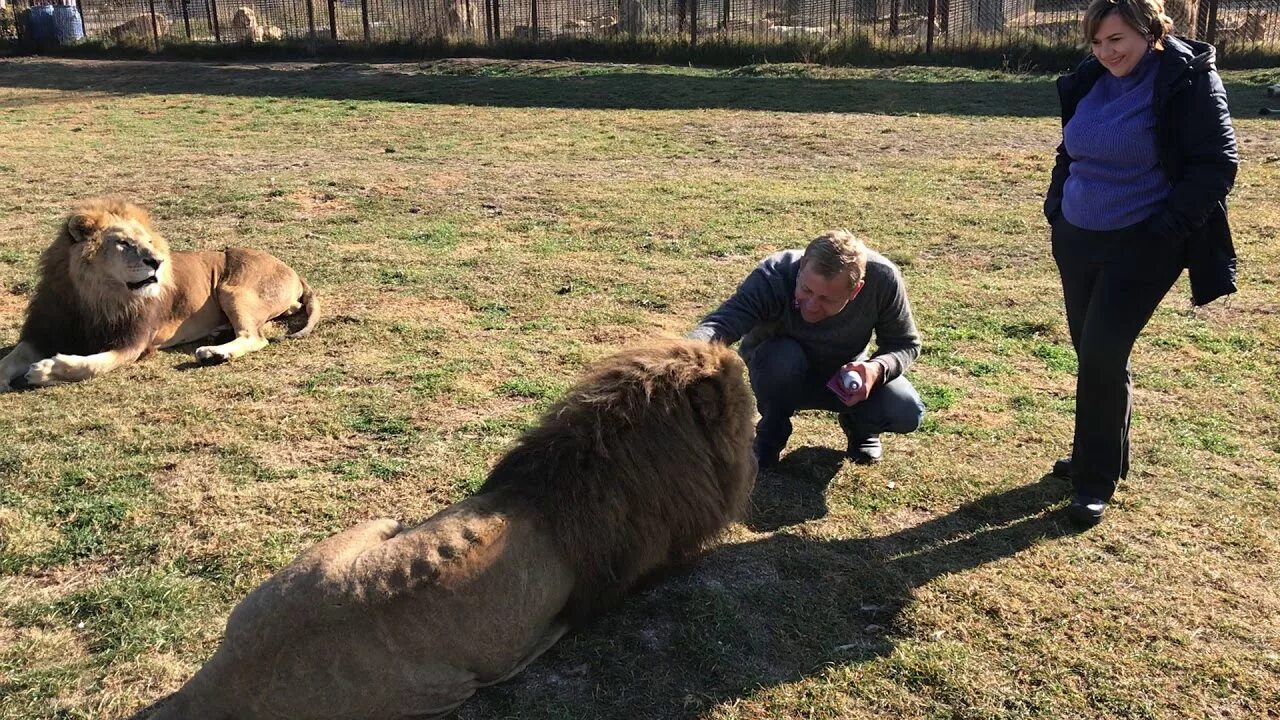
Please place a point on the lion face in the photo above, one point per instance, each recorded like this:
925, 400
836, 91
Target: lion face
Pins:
244, 18
117, 249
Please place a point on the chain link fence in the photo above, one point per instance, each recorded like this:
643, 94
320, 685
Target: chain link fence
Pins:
1235, 26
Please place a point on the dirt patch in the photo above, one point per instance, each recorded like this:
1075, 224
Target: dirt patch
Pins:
312, 205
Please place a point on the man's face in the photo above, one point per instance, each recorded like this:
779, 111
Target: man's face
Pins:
818, 297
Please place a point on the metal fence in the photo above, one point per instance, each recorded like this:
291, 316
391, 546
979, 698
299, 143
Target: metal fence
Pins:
924, 25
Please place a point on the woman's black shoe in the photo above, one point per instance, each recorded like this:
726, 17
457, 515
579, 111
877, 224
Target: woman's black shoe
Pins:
1062, 468
1085, 511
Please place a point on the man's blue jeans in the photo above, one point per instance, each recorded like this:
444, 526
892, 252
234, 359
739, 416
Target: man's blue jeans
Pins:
783, 382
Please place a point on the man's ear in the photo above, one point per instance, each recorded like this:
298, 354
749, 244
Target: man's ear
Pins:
857, 289
84, 224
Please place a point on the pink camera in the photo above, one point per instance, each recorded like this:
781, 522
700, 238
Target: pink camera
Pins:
845, 384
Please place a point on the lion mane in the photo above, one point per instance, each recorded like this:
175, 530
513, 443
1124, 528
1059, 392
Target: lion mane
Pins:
646, 459
650, 452
73, 310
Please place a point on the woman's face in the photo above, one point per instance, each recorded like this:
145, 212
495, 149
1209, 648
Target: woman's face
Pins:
1117, 45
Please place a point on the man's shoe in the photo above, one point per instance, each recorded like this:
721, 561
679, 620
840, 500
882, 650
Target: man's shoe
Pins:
865, 451
864, 448
767, 463
1062, 468
1085, 511
765, 460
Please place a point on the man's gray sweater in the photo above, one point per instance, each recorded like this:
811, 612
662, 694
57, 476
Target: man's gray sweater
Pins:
763, 308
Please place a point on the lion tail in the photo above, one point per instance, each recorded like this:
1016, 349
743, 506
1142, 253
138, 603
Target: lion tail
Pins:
310, 306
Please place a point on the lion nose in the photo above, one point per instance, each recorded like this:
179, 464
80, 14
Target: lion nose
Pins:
152, 263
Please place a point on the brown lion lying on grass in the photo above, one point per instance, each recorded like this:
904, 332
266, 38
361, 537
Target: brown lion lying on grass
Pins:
110, 291
640, 464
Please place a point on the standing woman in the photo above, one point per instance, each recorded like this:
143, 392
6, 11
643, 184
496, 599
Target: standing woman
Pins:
1138, 193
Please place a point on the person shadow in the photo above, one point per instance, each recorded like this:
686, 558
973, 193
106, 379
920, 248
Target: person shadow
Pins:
768, 611
795, 490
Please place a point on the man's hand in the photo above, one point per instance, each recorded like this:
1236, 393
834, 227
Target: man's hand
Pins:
870, 372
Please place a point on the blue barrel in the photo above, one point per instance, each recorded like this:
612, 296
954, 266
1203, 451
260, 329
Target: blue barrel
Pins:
68, 26
40, 24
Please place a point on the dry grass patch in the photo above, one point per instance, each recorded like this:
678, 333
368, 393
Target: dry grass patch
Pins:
478, 232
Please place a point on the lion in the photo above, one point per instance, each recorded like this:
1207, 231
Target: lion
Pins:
642, 462
246, 28
110, 292
140, 27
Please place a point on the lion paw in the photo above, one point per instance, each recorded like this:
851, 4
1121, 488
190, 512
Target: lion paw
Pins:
44, 372
209, 355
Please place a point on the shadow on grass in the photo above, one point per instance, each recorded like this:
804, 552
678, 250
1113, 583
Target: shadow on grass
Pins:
614, 89
795, 491
759, 614
492, 83
764, 613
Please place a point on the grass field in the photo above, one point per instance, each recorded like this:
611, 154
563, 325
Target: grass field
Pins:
478, 231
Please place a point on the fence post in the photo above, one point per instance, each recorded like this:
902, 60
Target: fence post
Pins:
724, 16
364, 19
186, 17
497, 20
79, 9
693, 22
1212, 22
933, 17
894, 10
533, 17
311, 19
333, 21
155, 26
213, 18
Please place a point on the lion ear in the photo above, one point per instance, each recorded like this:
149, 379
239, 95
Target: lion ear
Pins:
84, 224
705, 398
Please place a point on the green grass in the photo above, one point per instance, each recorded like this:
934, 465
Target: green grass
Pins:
533, 216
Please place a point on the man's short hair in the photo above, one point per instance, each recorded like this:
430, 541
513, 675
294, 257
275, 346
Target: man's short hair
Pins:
835, 251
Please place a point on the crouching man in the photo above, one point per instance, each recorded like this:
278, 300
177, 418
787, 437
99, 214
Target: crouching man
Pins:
806, 319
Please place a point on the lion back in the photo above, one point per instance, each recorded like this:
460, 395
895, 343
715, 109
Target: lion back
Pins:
426, 614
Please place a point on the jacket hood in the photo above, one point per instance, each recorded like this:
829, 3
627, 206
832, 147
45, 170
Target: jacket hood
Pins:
1188, 54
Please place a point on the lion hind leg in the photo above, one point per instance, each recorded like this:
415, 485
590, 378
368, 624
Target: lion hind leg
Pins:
311, 305
342, 549
242, 345
14, 367
246, 316
550, 637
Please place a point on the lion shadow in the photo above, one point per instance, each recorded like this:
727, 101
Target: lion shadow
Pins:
763, 613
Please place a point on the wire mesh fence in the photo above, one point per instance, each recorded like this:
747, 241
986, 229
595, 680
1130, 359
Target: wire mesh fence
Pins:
902, 25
